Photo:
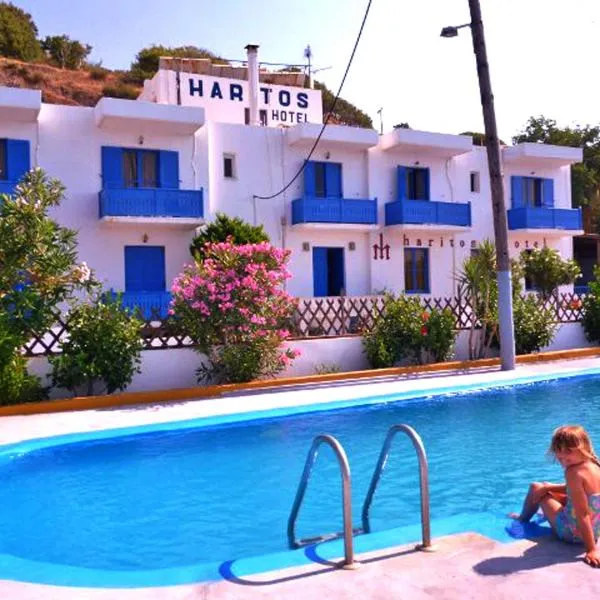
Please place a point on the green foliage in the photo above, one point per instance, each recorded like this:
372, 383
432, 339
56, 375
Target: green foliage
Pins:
327, 368
224, 228
97, 73
585, 176
120, 90
535, 325
65, 52
591, 308
37, 264
18, 34
16, 385
478, 138
104, 346
547, 270
345, 113
438, 335
405, 332
146, 60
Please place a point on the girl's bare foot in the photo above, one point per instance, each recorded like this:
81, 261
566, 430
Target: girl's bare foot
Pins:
515, 516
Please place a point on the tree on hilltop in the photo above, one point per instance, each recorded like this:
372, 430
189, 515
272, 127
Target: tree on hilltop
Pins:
18, 34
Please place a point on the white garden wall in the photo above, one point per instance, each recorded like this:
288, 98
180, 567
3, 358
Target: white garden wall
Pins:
175, 368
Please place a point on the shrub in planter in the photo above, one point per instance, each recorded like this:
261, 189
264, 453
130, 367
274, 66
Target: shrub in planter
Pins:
535, 325
233, 306
405, 332
17, 386
103, 347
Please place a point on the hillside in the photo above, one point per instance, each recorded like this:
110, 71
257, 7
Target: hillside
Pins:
82, 87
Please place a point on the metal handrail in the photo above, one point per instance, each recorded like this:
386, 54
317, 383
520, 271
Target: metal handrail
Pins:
346, 495
415, 438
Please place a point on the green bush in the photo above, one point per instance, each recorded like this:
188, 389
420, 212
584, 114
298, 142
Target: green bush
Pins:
97, 73
120, 90
104, 347
591, 308
535, 325
225, 228
17, 386
405, 332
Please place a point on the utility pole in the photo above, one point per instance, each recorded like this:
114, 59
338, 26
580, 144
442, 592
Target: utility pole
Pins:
492, 144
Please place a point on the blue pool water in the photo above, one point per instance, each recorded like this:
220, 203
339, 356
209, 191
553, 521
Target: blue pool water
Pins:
163, 500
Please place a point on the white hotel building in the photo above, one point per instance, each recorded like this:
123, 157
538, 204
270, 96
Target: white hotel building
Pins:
399, 211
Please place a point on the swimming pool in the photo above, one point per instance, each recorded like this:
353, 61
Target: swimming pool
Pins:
157, 505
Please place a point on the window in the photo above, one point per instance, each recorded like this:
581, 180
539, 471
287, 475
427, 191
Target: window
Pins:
137, 168
3, 173
413, 183
532, 192
140, 168
262, 117
229, 166
475, 181
416, 270
323, 179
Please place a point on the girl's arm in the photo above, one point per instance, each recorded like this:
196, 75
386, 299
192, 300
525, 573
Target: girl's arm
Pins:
582, 513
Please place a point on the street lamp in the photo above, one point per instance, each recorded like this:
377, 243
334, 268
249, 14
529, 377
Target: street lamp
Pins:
492, 144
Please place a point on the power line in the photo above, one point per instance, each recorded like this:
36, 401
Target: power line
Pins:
329, 114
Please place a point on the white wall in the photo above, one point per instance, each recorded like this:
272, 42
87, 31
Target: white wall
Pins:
175, 367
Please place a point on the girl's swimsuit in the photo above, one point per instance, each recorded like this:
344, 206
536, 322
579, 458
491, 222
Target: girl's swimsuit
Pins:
566, 521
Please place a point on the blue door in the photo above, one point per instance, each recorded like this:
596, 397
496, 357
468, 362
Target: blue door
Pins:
145, 269
328, 271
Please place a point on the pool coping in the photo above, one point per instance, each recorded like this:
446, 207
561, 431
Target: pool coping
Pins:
123, 399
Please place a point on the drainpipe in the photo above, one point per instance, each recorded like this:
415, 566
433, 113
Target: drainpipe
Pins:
252, 52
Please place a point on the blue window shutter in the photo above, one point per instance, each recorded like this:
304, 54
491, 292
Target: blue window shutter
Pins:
112, 167
548, 193
310, 189
333, 180
168, 166
17, 159
516, 189
401, 176
145, 268
320, 272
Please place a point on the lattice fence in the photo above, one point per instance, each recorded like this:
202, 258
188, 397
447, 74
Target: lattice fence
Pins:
314, 317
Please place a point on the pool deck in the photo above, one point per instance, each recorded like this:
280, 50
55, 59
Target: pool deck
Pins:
464, 566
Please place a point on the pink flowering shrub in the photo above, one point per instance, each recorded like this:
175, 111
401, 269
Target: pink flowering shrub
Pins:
232, 304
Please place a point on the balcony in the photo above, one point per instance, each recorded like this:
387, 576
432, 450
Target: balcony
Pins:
152, 205
150, 304
428, 215
339, 213
550, 221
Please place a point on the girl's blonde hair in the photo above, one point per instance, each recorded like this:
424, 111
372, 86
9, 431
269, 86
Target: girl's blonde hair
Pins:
573, 437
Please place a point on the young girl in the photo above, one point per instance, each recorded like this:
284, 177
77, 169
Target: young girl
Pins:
572, 509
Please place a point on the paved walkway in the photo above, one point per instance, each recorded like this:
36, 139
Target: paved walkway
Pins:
465, 566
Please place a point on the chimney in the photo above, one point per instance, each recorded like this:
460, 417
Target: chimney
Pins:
252, 51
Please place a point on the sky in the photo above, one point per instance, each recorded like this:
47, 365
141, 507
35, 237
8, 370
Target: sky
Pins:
542, 53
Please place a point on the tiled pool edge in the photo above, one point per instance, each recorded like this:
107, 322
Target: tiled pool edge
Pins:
217, 420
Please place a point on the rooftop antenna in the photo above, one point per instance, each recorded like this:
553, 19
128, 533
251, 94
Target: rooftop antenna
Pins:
380, 113
308, 56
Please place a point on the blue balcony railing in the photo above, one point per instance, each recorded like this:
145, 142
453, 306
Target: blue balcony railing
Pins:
545, 218
7, 187
310, 209
150, 304
427, 212
151, 202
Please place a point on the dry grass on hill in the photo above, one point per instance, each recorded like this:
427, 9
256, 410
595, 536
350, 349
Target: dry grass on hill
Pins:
65, 86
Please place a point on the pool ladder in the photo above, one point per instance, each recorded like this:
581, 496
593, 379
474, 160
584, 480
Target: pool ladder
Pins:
349, 532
